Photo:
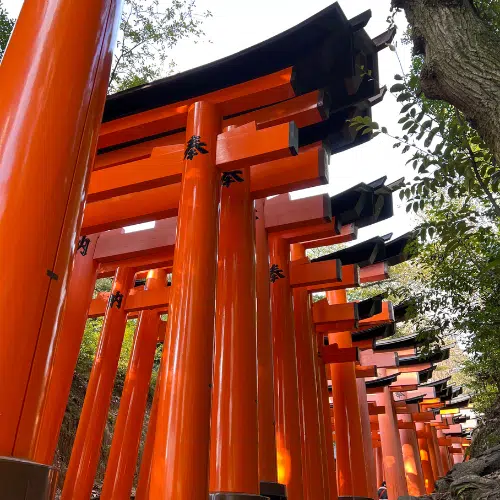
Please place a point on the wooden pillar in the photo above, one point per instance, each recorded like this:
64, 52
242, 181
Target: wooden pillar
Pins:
285, 371
379, 463
182, 446
311, 419
411, 457
87, 446
443, 453
52, 375
432, 452
425, 458
268, 471
122, 460
327, 415
352, 479
144, 481
234, 465
50, 112
435, 444
391, 445
371, 474
343, 462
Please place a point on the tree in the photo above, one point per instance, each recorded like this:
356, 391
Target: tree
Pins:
460, 45
148, 29
6, 26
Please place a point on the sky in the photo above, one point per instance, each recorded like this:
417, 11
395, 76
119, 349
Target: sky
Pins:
236, 25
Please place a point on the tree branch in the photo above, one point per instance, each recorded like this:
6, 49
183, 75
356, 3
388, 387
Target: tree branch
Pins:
477, 174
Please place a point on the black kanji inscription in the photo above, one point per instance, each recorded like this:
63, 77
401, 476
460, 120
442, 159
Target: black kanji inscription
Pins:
194, 146
83, 245
115, 299
275, 273
233, 176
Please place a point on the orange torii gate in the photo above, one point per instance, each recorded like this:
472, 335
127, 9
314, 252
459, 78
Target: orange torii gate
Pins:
115, 248
194, 152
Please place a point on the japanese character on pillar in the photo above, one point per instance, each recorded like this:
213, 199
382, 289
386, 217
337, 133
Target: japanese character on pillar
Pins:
275, 273
233, 176
83, 245
195, 146
116, 298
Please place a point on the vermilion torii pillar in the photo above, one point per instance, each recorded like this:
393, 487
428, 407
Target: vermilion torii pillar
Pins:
86, 448
267, 433
316, 484
343, 374
411, 457
51, 377
48, 134
285, 371
144, 481
391, 445
234, 464
425, 457
122, 459
180, 467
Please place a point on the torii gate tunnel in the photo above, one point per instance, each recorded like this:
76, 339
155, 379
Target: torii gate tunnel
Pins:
242, 406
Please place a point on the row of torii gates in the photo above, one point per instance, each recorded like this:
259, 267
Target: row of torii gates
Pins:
242, 405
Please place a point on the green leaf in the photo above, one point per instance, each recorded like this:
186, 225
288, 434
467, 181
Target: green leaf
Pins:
398, 87
426, 124
404, 96
406, 107
398, 77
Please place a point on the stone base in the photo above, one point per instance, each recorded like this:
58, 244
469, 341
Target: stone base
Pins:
235, 496
275, 491
25, 480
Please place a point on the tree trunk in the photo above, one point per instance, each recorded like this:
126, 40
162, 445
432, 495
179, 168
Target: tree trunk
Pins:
462, 61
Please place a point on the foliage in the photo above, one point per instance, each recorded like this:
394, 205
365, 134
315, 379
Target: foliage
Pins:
456, 295
454, 283
6, 26
148, 29
449, 157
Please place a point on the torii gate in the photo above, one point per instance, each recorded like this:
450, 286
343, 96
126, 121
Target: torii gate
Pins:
165, 149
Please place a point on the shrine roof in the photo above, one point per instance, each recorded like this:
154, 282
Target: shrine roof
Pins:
316, 49
382, 381
460, 419
414, 400
395, 250
438, 383
398, 342
370, 307
401, 309
434, 357
363, 254
460, 402
425, 375
364, 203
374, 332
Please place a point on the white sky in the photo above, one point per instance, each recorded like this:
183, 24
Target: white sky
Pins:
238, 24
